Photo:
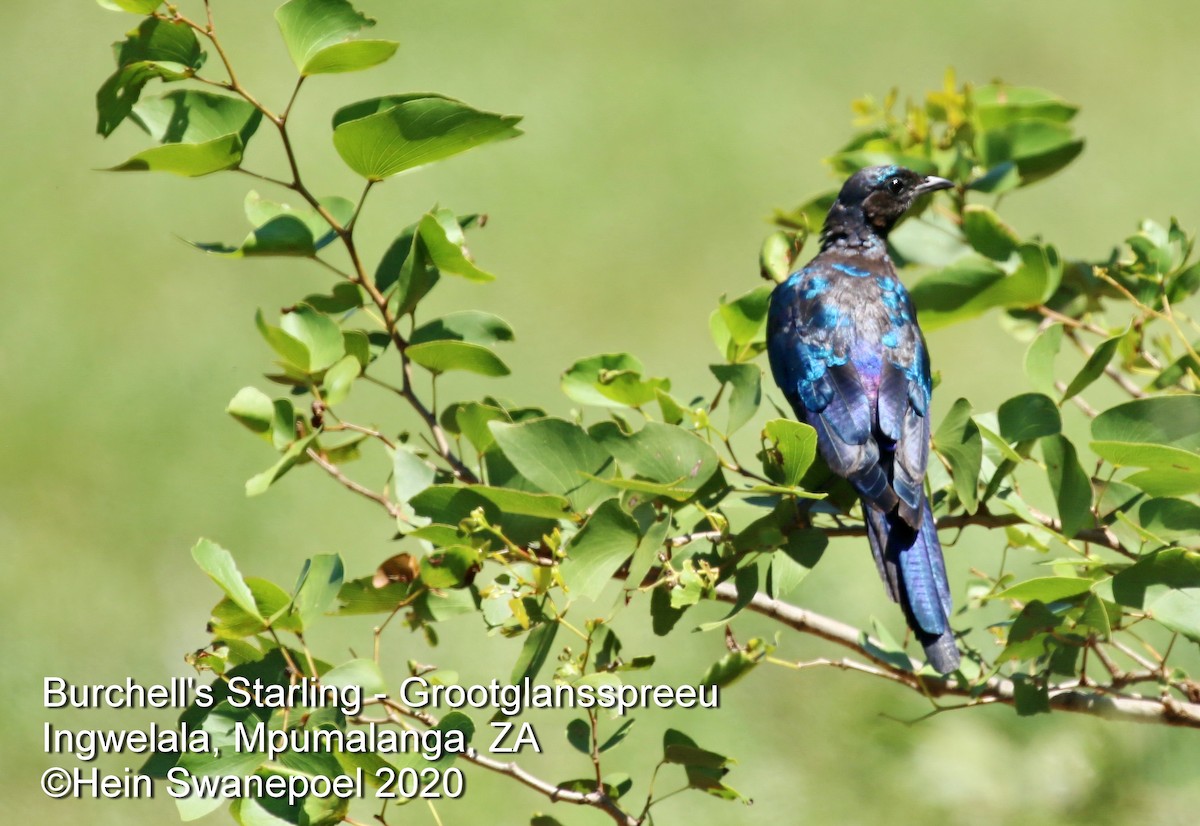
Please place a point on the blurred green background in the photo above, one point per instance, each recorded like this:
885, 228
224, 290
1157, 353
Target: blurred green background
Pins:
659, 137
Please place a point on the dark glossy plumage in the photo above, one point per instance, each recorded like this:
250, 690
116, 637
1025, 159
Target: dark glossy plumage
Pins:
845, 348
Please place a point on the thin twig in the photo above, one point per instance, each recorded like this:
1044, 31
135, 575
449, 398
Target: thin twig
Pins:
350, 484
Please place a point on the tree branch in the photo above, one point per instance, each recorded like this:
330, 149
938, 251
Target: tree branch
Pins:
1129, 707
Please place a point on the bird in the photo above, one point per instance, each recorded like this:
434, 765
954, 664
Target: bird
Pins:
845, 349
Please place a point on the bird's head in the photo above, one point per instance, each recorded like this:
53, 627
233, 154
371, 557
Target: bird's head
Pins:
875, 198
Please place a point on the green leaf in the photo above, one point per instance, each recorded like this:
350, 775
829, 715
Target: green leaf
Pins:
450, 567
746, 316
1039, 359
306, 339
360, 596
661, 453
410, 473
1038, 147
987, 233
318, 36
998, 104
259, 483
958, 439
1162, 420
595, 553
796, 559
612, 380
558, 457
617, 736
796, 444
280, 229
1094, 366
385, 136
745, 392
339, 379
971, 286
317, 589
1170, 518
646, 555
445, 243
1030, 696
202, 133
133, 6
1046, 589
407, 267
704, 768
443, 356
219, 565
539, 642
471, 326
155, 49
736, 664
523, 503
579, 735
1070, 484
1166, 585
1029, 416
254, 409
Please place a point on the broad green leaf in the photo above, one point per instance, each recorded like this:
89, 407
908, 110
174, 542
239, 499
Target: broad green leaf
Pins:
471, 326
471, 420
132, 6
524, 503
446, 355
254, 409
1070, 484
155, 49
1141, 454
1171, 518
1094, 366
1038, 147
280, 229
612, 380
259, 483
1046, 589
539, 642
973, 285
617, 736
558, 457
579, 735
1166, 585
317, 589
735, 665
339, 379
987, 233
796, 559
360, 672
219, 565
306, 339
1162, 420
1039, 359
959, 440
318, 36
342, 297
1029, 416
410, 473
1168, 481
407, 267
797, 447
385, 136
444, 241
201, 133
778, 254
745, 581
595, 553
744, 385
661, 453
450, 567
649, 547
704, 768
998, 104
360, 596
746, 316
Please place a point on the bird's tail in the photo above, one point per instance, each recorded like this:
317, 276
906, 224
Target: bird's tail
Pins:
911, 565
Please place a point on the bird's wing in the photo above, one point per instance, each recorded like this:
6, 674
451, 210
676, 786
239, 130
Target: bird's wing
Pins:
904, 391
809, 342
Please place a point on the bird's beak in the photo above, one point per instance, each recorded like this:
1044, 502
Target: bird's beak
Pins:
932, 184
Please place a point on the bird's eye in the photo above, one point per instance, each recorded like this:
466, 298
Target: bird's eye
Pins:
895, 186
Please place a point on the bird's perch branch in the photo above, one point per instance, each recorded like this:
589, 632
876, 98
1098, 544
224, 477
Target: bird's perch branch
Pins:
1113, 705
